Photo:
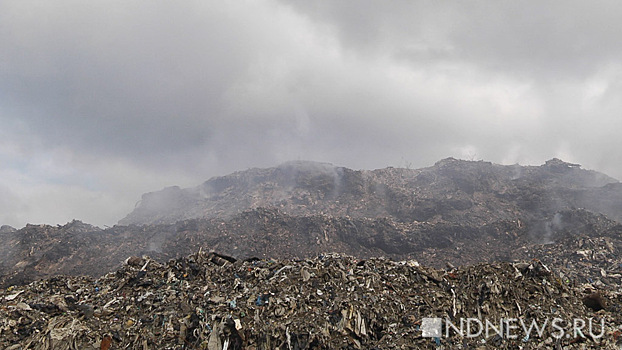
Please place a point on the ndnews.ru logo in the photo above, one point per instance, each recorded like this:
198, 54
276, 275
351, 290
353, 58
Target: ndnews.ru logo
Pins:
512, 328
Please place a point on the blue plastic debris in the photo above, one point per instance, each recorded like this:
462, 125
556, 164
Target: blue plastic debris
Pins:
526, 338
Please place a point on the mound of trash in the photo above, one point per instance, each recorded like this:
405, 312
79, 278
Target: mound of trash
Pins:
215, 302
43, 251
456, 211
474, 193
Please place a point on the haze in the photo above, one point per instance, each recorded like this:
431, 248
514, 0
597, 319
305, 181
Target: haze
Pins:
101, 101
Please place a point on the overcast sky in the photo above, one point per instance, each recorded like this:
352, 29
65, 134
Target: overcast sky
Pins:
101, 101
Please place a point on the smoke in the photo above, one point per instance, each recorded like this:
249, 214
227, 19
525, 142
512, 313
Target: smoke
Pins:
324, 178
517, 172
551, 227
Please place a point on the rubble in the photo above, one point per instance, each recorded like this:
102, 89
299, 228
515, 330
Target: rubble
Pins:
40, 251
459, 240
7, 229
452, 190
208, 301
456, 212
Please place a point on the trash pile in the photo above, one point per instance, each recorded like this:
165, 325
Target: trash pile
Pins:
473, 193
461, 212
43, 251
540, 270
211, 301
594, 260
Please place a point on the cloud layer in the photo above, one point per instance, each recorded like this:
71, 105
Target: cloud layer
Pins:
102, 101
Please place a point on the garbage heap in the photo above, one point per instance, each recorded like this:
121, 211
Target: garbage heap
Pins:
584, 259
210, 301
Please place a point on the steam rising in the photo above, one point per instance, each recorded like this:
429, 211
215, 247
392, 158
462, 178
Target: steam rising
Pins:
105, 102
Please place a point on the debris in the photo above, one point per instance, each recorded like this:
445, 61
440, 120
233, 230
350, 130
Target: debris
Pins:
134, 261
342, 302
105, 344
457, 240
451, 214
595, 301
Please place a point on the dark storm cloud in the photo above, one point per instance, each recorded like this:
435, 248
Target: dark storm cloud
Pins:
102, 101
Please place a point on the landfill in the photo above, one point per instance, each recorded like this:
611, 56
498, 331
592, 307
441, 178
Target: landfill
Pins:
460, 212
43, 251
472, 193
460, 255
211, 301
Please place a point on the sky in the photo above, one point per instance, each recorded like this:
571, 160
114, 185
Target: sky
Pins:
102, 101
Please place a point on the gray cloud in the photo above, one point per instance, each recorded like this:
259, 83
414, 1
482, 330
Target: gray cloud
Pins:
102, 101
549, 39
